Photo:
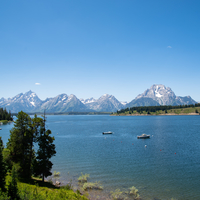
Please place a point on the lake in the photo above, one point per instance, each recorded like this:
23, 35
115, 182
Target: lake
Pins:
168, 167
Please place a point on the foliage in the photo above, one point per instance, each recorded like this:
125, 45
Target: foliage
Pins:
83, 178
45, 152
34, 192
90, 185
69, 186
118, 195
20, 144
156, 109
2, 168
134, 191
5, 115
56, 174
12, 187
25, 133
6, 159
3, 196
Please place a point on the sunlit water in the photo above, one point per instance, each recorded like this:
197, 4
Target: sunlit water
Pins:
168, 167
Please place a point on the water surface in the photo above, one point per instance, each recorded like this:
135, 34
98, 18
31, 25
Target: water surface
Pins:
169, 165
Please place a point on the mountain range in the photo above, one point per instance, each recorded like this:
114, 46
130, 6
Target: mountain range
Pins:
30, 102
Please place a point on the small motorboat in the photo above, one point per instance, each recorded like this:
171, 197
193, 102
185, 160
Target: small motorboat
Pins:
0, 128
143, 136
109, 132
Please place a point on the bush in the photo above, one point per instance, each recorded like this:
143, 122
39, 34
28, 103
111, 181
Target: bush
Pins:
83, 178
90, 185
118, 195
134, 191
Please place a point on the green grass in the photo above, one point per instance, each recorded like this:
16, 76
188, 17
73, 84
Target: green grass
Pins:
35, 189
4, 121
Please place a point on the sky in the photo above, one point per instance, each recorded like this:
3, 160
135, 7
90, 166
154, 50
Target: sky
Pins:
93, 47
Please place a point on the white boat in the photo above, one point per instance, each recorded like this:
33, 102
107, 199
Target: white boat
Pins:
109, 132
143, 136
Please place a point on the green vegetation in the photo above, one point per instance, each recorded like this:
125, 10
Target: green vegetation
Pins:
160, 110
118, 194
83, 178
131, 194
25, 133
13, 191
134, 192
2, 168
37, 190
5, 116
19, 155
90, 185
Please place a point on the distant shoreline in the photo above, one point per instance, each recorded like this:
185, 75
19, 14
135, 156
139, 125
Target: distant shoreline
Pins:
167, 114
68, 113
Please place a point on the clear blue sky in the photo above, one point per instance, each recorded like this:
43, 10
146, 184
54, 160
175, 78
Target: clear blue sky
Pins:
92, 47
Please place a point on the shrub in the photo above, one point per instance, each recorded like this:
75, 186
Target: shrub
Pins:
134, 191
118, 195
83, 178
90, 185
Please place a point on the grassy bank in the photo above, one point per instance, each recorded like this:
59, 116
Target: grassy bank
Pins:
3, 121
35, 189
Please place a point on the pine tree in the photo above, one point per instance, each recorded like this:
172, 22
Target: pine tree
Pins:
2, 168
45, 151
25, 133
20, 144
12, 187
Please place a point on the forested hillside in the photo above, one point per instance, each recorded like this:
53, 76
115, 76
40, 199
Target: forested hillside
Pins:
161, 109
5, 115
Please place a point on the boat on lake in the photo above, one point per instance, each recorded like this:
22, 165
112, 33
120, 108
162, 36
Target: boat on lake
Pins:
108, 132
143, 136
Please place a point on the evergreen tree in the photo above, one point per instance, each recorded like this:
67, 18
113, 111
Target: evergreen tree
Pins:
45, 152
2, 168
13, 193
25, 133
20, 144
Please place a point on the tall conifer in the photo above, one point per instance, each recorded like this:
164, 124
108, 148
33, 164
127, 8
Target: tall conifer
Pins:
2, 168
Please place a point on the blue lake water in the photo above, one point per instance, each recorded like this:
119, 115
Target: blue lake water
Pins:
169, 166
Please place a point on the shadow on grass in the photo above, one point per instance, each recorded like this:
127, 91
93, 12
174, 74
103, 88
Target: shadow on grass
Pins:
39, 182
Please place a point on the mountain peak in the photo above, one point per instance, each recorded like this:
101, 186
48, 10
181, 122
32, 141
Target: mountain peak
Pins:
29, 92
164, 95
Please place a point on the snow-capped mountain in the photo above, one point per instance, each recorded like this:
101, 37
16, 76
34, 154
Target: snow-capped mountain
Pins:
159, 94
106, 103
123, 102
63, 103
26, 102
163, 95
90, 100
30, 102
